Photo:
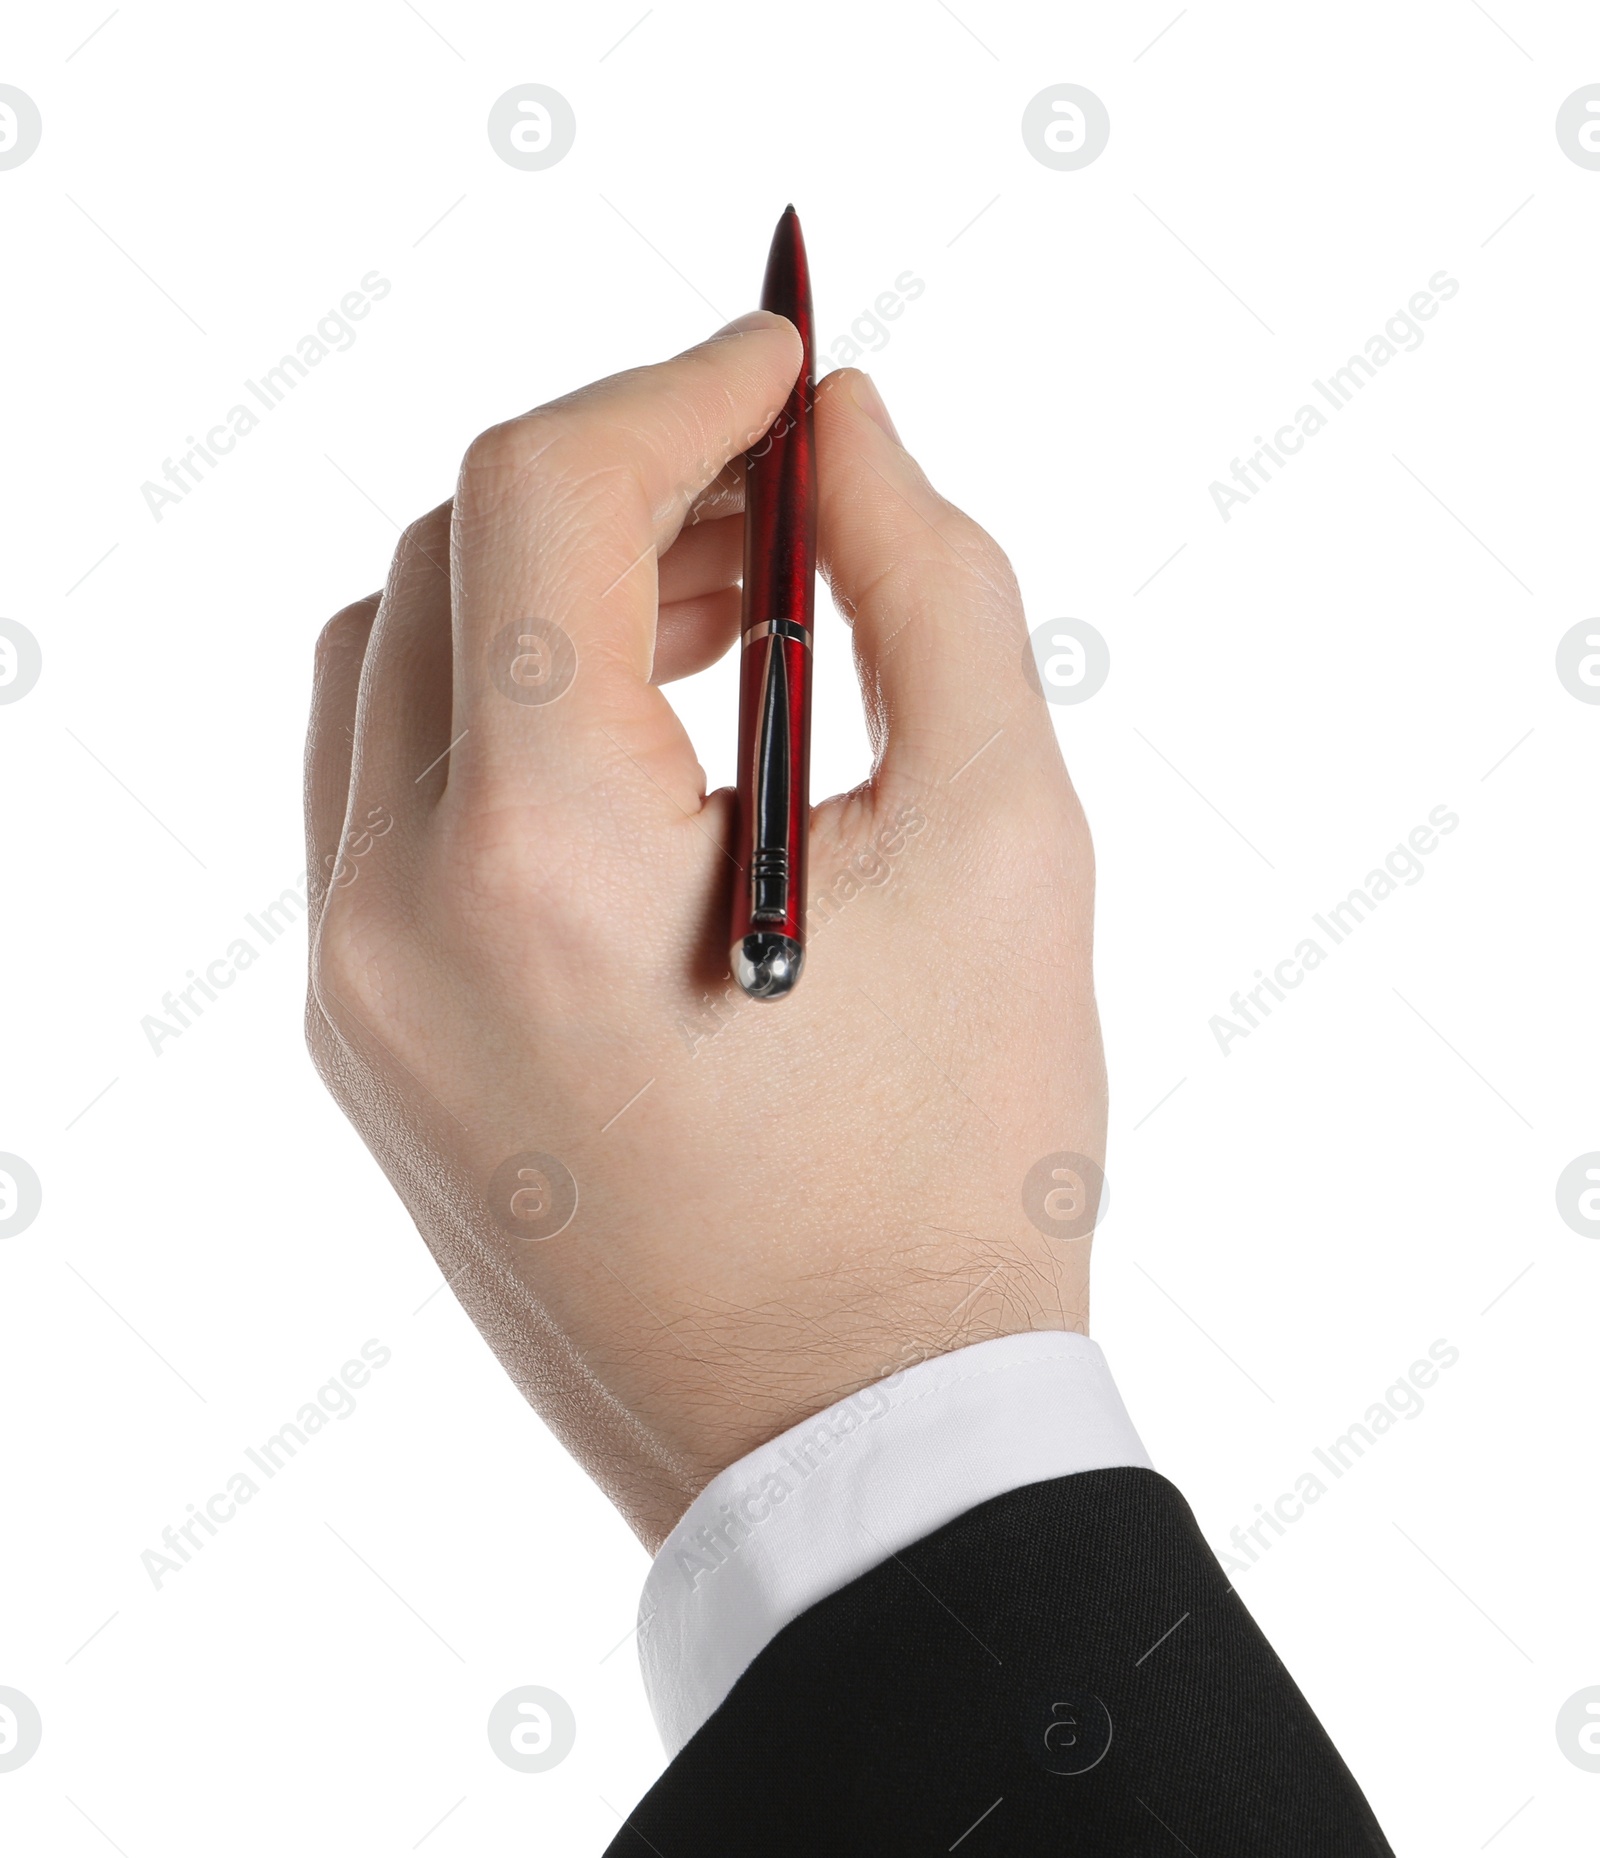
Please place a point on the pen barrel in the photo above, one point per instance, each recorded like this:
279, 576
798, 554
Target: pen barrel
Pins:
780, 520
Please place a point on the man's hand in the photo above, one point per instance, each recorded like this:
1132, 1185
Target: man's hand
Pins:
682, 1219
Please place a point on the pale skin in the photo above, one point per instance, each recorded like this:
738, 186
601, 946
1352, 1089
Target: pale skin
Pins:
800, 1196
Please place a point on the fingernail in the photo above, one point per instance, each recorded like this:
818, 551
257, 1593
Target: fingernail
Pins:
864, 391
752, 319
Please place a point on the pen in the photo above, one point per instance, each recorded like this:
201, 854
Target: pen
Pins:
780, 557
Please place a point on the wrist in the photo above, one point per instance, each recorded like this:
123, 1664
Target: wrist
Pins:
758, 1372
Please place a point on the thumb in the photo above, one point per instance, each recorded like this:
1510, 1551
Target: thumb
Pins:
932, 602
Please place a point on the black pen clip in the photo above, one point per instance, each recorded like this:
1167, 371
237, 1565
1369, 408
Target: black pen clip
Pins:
769, 850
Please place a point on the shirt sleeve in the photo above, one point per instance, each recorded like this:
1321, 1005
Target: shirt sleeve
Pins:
814, 1509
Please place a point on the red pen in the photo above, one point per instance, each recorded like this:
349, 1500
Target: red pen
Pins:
780, 559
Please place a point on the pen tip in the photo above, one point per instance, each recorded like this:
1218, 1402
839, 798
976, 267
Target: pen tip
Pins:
786, 287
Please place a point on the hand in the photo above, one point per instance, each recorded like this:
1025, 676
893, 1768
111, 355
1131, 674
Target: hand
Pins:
519, 938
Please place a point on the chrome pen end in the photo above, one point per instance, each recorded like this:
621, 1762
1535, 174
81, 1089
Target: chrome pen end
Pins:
767, 966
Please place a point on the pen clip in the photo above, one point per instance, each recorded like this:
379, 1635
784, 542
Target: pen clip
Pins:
769, 849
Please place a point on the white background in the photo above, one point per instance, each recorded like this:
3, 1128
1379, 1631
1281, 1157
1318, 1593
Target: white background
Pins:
1366, 640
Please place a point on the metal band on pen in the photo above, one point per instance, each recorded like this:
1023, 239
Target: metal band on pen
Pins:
782, 628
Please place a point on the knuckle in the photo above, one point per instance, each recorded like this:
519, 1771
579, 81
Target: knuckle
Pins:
347, 631
318, 1036
341, 979
530, 449
974, 544
427, 537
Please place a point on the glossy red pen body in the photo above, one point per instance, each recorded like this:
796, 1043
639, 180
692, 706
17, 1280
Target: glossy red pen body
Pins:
780, 559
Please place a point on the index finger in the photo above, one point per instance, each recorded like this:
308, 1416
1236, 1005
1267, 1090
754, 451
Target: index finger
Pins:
559, 516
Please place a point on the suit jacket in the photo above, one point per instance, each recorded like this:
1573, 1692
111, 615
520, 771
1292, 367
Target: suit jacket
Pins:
1061, 1669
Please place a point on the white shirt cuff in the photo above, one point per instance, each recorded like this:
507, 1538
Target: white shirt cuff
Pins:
825, 1502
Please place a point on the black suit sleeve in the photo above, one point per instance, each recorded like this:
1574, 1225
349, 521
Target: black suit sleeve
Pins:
1062, 1670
